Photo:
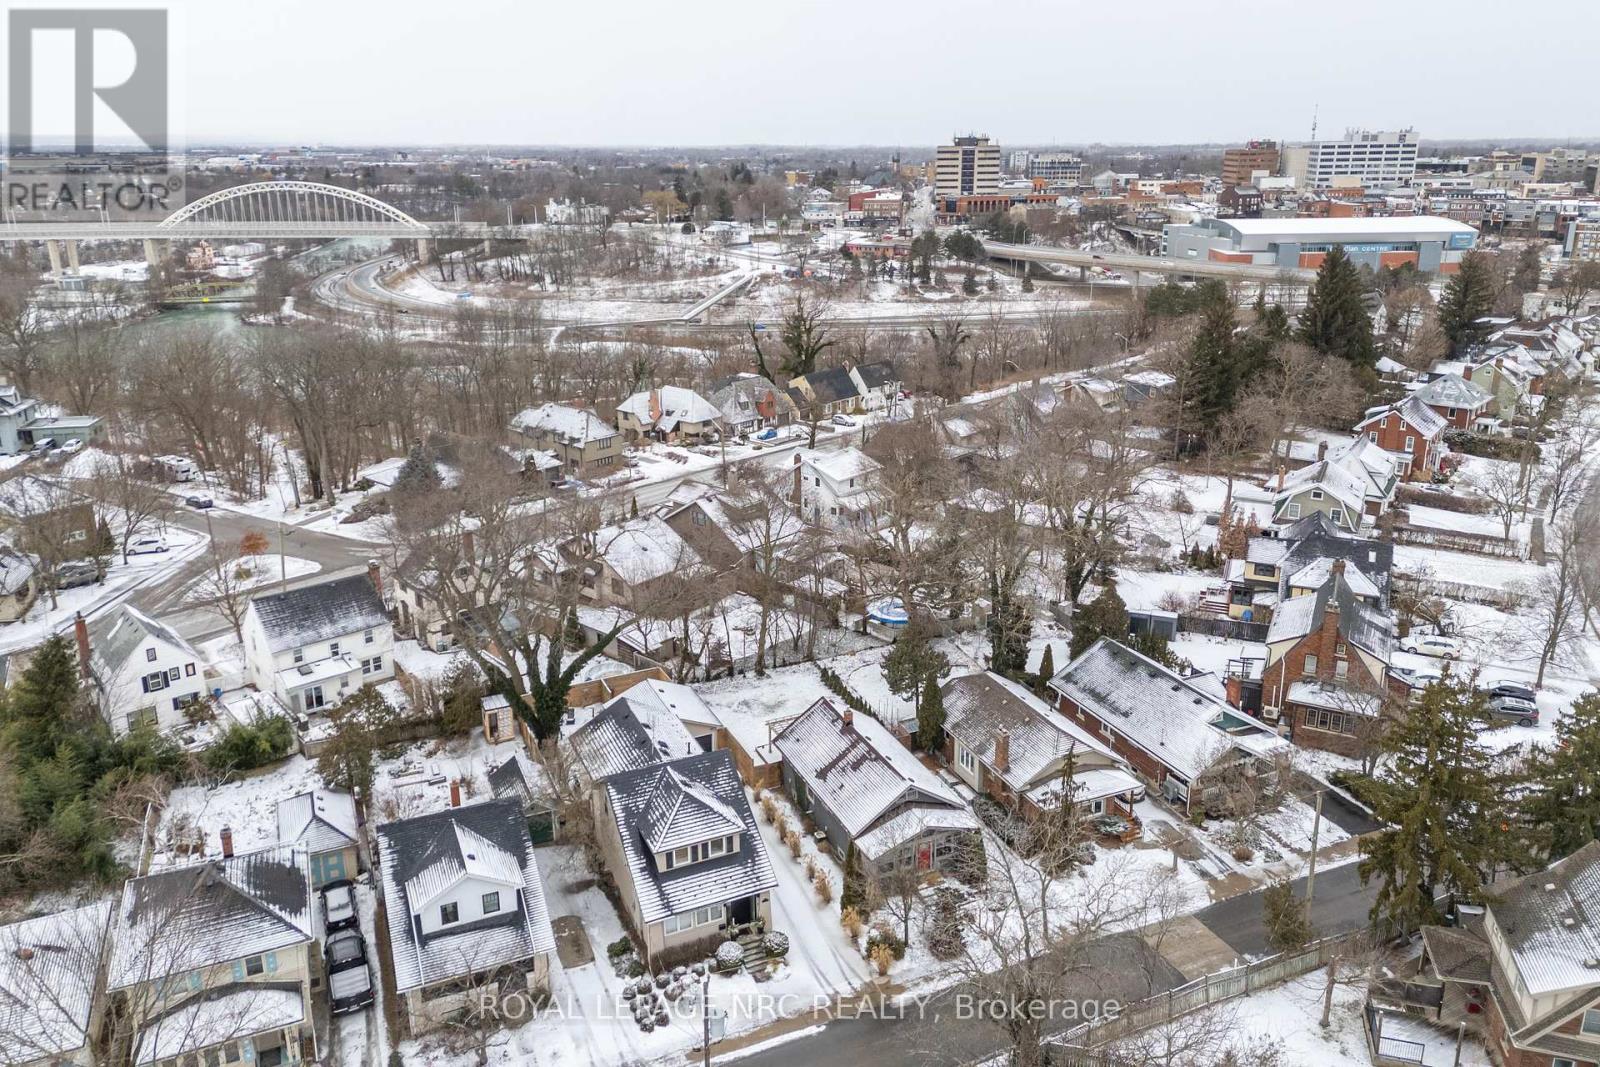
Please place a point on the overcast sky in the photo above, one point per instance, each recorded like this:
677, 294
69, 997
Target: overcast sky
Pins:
699, 72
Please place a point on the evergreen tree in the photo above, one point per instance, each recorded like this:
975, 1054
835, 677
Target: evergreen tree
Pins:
1335, 321
1104, 616
1563, 808
1010, 625
1213, 360
1284, 916
911, 662
930, 717
1468, 297
1047, 670
40, 706
1443, 801
419, 473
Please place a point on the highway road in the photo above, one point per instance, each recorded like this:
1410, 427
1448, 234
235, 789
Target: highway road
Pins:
1123, 261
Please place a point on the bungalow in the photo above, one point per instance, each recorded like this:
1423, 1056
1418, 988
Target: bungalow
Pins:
51, 973
1462, 404
865, 790
322, 823
669, 413
1322, 647
1411, 432
1004, 742
466, 909
315, 645
213, 962
648, 723
748, 402
688, 858
139, 670
832, 391
1177, 734
1521, 970
580, 439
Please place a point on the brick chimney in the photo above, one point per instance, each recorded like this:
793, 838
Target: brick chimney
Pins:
455, 792
655, 405
469, 546
1002, 750
848, 717
80, 630
1283, 472
1338, 568
226, 837
799, 495
375, 577
1322, 451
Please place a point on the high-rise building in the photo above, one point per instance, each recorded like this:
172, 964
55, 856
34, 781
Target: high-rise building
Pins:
1557, 165
968, 166
1239, 165
1372, 160
1056, 168
1017, 161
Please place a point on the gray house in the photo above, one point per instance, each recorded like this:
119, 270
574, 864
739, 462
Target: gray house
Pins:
863, 787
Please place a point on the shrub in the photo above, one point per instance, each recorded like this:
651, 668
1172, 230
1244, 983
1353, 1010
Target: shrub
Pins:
882, 958
823, 885
246, 746
882, 935
944, 924
619, 948
792, 839
811, 867
850, 919
775, 942
729, 956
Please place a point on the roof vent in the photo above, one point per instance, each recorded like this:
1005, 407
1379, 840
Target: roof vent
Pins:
472, 856
1592, 963
1569, 922
24, 953
1549, 887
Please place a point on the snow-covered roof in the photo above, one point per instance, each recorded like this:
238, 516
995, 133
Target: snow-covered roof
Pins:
321, 820
1362, 624
910, 824
16, 570
644, 549
1181, 724
320, 612
857, 768
672, 803
573, 426
49, 969
1453, 391
1550, 924
840, 465
1421, 417
745, 397
1346, 487
675, 403
187, 918
635, 731
201, 1022
117, 636
1333, 697
421, 856
1315, 574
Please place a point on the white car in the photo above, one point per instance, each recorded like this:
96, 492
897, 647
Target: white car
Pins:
144, 546
73, 445
843, 420
1432, 645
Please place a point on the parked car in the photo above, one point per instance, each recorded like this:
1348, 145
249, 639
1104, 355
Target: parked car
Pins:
769, 434
1432, 645
199, 503
339, 905
74, 444
77, 573
349, 978
44, 444
1522, 712
1503, 688
144, 546
1418, 677
843, 420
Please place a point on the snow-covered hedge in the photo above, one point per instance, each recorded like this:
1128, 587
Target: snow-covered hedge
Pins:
729, 955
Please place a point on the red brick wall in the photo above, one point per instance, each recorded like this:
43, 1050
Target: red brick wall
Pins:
1141, 760
1393, 439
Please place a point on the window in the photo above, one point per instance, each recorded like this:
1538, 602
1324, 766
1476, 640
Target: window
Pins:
1372, 435
372, 666
366, 637
1097, 807
299, 655
1449, 413
1310, 664
1561, 1062
491, 903
1411, 444
449, 913
253, 965
154, 682
969, 762
149, 655
188, 670
689, 920
173, 674
1293, 510
1316, 494
1591, 1022
333, 648
1385, 423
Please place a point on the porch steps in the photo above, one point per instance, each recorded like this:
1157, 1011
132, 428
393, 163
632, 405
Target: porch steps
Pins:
755, 953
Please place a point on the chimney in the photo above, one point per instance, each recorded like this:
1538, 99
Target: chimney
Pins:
80, 630
227, 842
799, 496
655, 405
469, 546
1283, 472
375, 577
455, 792
1322, 451
1002, 750
1338, 568
848, 717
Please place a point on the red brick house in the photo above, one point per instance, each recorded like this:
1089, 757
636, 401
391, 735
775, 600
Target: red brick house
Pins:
1176, 734
1327, 668
1412, 432
1523, 972
1459, 401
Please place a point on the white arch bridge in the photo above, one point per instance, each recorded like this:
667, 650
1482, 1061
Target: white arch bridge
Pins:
261, 211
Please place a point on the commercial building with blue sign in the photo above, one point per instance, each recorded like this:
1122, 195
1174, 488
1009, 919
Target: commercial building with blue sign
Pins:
1431, 244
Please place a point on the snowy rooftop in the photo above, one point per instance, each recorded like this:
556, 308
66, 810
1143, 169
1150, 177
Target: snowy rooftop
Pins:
320, 819
635, 731
645, 548
571, 425
1549, 924
201, 1022
675, 404
1453, 391
319, 612
49, 968
840, 465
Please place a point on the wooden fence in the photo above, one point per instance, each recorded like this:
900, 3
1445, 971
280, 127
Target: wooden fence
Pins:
1218, 626
1212, 989
1456, 541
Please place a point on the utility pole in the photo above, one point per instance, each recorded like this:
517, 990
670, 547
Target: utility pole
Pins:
1311, 875
283, 563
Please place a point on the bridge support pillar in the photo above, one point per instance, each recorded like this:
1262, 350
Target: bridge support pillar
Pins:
152, 252
72, 255
425, 250
1083, 274
488, 246
54, 250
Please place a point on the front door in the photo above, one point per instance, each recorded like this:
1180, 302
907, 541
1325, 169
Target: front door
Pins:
314, 698
743, 911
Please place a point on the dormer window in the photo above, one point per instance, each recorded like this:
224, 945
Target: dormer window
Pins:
449, 913
491, 903
699, 852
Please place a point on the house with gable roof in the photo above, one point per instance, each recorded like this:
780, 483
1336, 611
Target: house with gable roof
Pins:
52, 1004
1463, 404
669, 413
1411, 432
315, 645
748, 402
689, 861
837, 488
322, 822
140, 670
1522, 971
863, 788
466, 909
212, 962
1324, 488
649, 722
583, 442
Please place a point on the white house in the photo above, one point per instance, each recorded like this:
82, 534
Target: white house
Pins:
836, 488
139, 670
466, 908
315, 645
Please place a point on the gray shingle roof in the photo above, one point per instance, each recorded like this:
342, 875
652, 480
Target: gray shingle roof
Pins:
1453, 391
877, 375
638, 798
319, 612
979, 706
831, 385
1360, 623
1550, 923
186, 918
115, 638
423, 854
631, 733
320, 819
47, 998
